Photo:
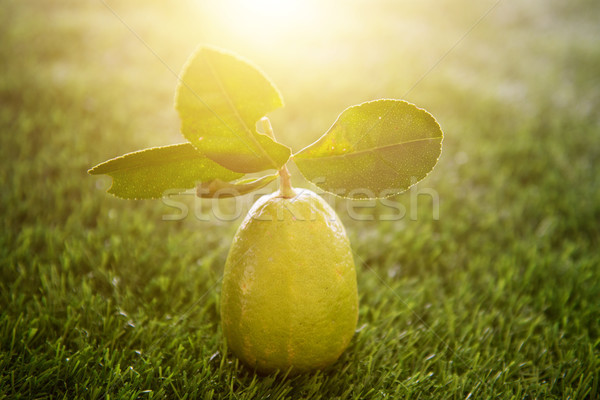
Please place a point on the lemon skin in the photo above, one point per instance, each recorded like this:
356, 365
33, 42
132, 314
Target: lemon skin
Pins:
289, 299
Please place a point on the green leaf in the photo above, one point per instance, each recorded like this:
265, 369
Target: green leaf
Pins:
221, 189
374, 149
220, 97
147, 174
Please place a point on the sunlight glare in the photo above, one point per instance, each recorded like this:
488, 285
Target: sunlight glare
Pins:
260, 20
271, 10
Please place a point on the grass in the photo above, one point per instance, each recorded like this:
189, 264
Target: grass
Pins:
498, 298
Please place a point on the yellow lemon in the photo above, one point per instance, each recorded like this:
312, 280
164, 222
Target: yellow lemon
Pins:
289, 297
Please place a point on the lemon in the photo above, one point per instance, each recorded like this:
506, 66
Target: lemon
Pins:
289, 299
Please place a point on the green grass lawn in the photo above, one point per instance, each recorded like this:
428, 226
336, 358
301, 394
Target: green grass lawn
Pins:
499, 297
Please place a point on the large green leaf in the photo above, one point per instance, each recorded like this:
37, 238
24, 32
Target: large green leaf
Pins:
374, 149
220, 189
147, 174
220, 97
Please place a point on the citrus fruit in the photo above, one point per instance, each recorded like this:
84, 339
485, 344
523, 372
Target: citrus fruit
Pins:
289, 300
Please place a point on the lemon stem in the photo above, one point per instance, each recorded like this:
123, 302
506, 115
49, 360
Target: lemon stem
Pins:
285, 183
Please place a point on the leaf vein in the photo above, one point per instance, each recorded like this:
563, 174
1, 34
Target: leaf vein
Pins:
373, 149
236, 113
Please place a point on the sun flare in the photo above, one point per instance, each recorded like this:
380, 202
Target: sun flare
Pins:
261, 20
270, 10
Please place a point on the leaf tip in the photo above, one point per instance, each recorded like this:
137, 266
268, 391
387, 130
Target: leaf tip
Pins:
95, 170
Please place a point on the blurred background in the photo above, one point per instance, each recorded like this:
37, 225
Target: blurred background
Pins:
509, 84
514, 85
